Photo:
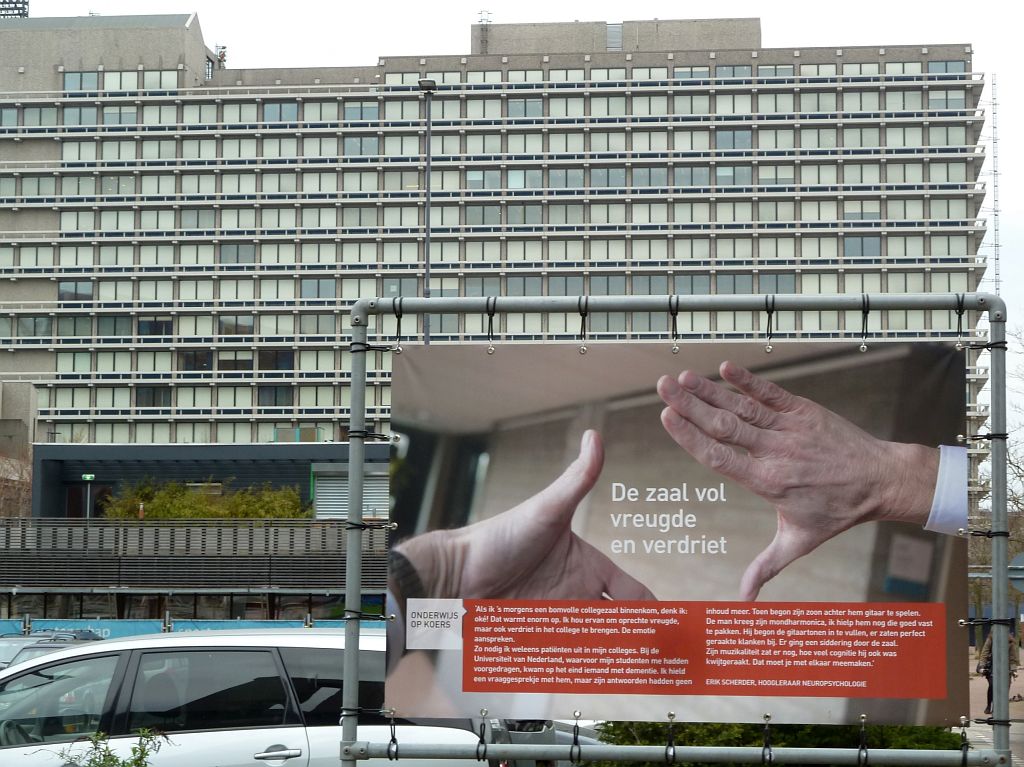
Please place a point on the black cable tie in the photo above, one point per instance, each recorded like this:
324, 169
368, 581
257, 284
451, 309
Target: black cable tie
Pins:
993, 722
769, 307
862, 750
369, 435
481, 746
865, 303
359, 347
359, 710
359, 615
575, 750
990, 436
989, 533
385, 525
492, 305
398, 329
582, 305
393, 743
1010, 622
960, 321
990, 345
673, 310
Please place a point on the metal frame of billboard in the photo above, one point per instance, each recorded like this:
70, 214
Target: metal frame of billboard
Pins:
993, 306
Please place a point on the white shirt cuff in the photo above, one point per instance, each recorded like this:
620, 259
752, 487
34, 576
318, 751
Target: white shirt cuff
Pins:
949, 505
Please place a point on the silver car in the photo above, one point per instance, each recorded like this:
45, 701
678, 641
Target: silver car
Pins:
229, 698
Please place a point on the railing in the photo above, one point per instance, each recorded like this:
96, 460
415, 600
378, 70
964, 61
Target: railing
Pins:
205, 537
207, 555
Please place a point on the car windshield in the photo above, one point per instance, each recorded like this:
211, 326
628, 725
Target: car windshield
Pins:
9, 647
35, 650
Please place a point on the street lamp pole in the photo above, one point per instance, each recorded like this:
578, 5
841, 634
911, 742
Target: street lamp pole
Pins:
427, 86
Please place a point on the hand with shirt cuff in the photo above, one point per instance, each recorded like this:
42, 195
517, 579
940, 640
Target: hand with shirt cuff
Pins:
822, 473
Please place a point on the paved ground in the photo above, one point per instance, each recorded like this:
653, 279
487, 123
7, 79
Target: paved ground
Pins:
980, 735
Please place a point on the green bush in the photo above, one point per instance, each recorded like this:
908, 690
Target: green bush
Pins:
175, 500
782, 735
99, 754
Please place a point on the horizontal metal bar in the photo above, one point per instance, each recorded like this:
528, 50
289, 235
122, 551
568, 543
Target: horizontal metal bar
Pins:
683, 754
982, 302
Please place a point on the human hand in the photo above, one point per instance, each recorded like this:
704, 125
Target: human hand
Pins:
527, 552
822, 474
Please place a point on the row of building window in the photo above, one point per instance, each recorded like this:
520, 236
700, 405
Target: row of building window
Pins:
606, 74
371, 216
443, 109
131, 80
114, 80
699, 176
573, 252
492, 144
224, 432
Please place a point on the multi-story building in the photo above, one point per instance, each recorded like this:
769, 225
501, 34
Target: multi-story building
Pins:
179, 241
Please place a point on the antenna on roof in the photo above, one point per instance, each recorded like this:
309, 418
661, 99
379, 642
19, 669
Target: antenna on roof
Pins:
485, 17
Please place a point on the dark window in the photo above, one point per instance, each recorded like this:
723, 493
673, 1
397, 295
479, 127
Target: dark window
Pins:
235, 324
234, 360
728, 284
114, 325
74, 326
80, 116
270, 396
35, 326
316, 677
199, 359
777, 283
244, 253
152, 396
156, 326
317, 288
862, 246
39, 702
276, 359
77, 290
209, 690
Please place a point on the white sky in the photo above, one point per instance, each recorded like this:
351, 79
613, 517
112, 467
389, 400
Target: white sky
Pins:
298, 33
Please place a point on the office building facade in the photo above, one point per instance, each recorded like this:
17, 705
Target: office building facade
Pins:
180, 241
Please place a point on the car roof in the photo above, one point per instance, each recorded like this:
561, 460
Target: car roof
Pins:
370, 639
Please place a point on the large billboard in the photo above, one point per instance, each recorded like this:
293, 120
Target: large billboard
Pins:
720, 533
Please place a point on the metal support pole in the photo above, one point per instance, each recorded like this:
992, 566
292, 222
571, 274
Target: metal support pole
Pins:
353, 536
500, 752
1000, 578
428, 193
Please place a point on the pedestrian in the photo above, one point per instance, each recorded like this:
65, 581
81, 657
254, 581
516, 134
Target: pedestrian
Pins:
985, 663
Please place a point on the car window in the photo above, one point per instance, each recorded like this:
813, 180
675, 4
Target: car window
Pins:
9, 647
59, 702
316, 675
209, 690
